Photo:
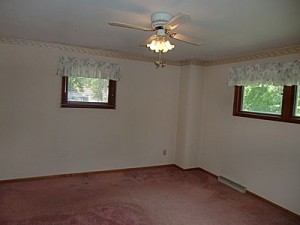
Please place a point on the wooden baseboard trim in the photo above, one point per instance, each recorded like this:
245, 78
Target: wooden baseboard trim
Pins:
211, 174
261, 198
99, 172
82, 173
189, 169
273, 204
143, 168
197, 168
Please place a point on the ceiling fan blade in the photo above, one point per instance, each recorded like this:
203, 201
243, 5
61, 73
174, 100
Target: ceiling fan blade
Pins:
177, 20
148, 41
189, 40
125, 25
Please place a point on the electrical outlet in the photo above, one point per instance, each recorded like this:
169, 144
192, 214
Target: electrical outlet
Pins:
164, 152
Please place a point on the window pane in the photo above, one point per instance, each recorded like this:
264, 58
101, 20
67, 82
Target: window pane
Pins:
297, 113
262, 99
82, 89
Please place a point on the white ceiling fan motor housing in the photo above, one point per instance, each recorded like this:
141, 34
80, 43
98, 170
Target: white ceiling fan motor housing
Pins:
159, 19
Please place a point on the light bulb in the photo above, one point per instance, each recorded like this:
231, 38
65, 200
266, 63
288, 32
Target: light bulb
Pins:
162, 45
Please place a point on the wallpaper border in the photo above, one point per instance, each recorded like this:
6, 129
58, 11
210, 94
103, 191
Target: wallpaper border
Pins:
121, 55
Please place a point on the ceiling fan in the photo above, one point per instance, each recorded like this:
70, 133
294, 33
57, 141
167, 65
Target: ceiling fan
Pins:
163, 24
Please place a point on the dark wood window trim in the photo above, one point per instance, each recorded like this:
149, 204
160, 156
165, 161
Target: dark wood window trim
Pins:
288, 106
112, 89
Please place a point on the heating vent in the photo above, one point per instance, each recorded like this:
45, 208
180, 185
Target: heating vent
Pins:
232, 184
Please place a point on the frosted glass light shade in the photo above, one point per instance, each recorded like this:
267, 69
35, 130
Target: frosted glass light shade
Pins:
160, 46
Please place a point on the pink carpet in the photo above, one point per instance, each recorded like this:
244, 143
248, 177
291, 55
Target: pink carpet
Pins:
156, 196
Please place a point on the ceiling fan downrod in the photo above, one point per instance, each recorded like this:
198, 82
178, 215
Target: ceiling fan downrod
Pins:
161, 62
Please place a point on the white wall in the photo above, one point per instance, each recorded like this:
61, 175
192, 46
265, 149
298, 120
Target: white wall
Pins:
39, 138
189, 116
262, 155
187, 110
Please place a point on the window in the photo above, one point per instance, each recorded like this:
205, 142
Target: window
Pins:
280, 103
262, 99
297, 113
88, 83
267, 91
83, 92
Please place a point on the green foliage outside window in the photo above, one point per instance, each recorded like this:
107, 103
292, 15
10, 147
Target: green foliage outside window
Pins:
88, 89
263, 99
298, 101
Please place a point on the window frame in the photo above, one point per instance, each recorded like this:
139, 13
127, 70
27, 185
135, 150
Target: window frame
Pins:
111, 104
287, 111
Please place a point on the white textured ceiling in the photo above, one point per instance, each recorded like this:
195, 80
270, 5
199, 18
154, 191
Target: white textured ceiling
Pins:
229, 27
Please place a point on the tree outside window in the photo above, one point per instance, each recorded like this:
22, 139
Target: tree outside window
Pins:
83, 92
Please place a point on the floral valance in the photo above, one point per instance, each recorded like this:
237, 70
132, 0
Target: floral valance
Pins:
72, 66
282, 73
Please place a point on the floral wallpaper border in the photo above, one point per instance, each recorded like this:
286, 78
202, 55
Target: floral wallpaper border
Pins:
67, 48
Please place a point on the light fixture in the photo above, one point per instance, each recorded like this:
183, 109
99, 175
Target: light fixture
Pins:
160, 44
161, 61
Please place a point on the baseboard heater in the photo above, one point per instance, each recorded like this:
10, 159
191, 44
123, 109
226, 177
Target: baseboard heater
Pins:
232, 184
